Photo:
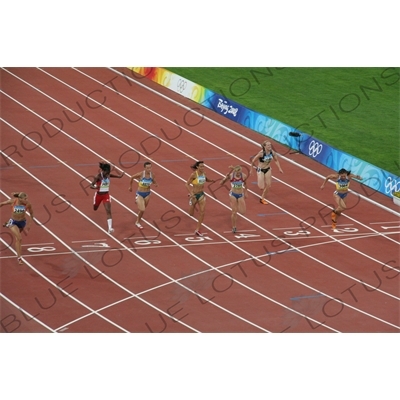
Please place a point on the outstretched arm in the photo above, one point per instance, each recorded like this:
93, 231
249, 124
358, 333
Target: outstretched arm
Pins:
210, 180
155, 183
253, 161
93, 184
4, 203
245, 185
353, 176
134, 176
226, 177
331, 176
117, 176
277, 162
30, 209
188, 184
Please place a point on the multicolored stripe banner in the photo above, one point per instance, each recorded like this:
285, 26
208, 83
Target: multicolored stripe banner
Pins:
373, 177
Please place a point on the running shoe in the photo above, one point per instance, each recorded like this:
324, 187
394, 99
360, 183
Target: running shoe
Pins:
333, 225
233, 230
111, 230
20, 260
198, 233
263, 201
138, 225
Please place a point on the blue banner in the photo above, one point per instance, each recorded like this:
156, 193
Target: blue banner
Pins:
374, 177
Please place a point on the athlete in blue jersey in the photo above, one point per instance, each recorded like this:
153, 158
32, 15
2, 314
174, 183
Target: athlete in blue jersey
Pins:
237, 193
264, 174
195, 186
342, 182
145, 179
19, 206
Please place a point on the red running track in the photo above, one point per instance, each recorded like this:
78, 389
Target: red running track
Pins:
285, 270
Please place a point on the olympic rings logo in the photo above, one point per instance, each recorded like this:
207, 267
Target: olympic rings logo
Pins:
181, 85
314, 148
391, 185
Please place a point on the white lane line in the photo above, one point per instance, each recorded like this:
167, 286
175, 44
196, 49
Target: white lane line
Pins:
179, 178
132, 252
31, 317
192, 133
65, 292
386, 222
144, 130
193, 110
36, 244
78, 255
91, 240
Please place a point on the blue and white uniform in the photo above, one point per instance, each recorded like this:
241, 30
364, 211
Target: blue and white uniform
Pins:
144, 183
237, 184
17, 209
342, 187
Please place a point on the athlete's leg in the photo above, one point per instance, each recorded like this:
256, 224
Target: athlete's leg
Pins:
260, 180
267, 177
202, 209
141, 203
96, 201
107, 206
242, 205
341, 205
18, 241
234, 208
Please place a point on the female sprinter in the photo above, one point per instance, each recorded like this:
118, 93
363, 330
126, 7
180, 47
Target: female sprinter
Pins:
342, 179
264, 175
19, 206
101, 182
146, 179
195, 186
238, 192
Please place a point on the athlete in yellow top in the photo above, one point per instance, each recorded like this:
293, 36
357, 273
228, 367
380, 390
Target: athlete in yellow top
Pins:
146, 178
342, 179
195, 186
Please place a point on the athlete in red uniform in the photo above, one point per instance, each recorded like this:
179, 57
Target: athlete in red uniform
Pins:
19, 205
101, 183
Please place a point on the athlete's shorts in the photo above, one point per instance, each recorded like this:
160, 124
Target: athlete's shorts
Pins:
199, 195
143, 194
263, 170
340, 194
236, 195
100, 197
20, 224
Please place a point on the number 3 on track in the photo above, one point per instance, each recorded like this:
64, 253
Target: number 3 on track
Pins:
197, 239
291, 233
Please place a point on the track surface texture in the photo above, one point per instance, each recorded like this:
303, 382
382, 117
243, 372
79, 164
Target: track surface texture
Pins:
284, 270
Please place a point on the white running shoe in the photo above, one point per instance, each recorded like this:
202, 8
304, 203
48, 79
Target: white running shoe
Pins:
139, 226
111, 230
